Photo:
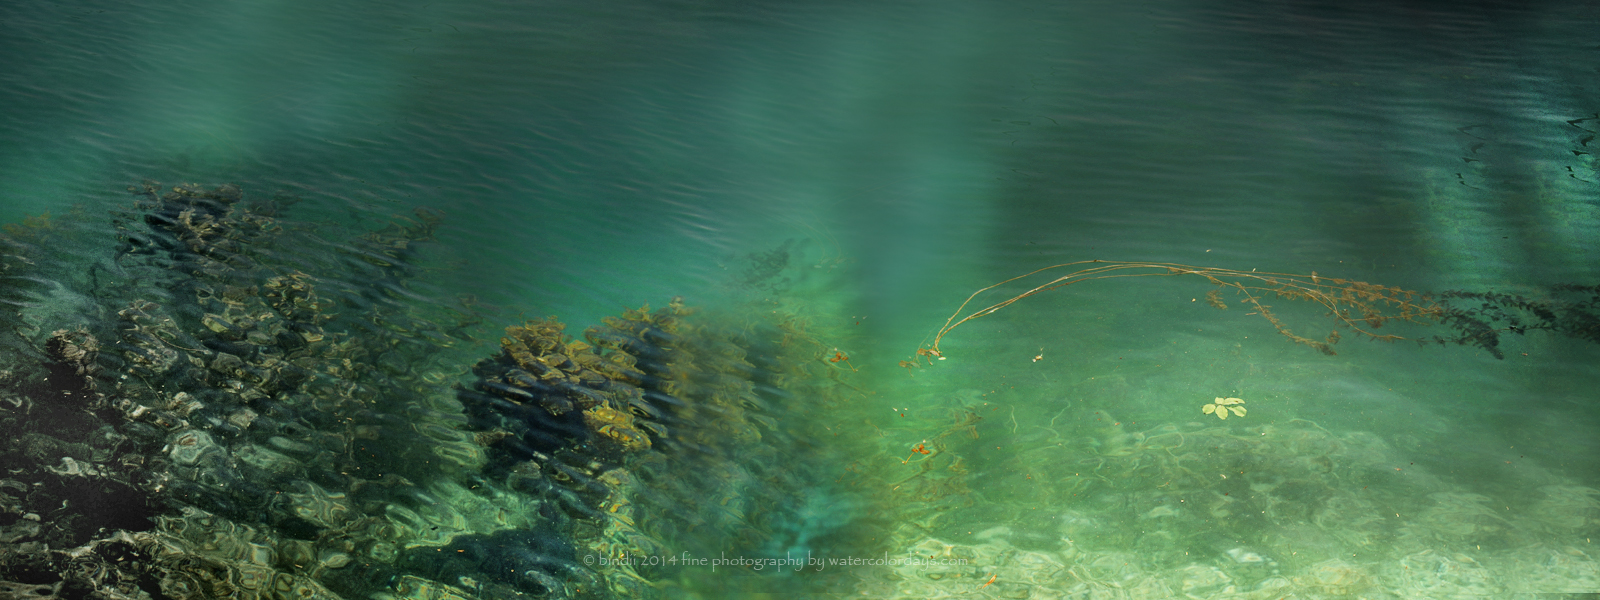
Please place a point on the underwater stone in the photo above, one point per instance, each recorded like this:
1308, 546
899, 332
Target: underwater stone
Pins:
288, 445
616, 426
510, 391
226, 347
265, 459
224, 329
665, 400
189, 447
585, 396
340, 409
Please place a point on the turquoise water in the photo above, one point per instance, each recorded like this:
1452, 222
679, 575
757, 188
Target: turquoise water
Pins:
589, 158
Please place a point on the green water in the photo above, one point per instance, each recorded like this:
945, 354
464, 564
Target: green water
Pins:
589, 158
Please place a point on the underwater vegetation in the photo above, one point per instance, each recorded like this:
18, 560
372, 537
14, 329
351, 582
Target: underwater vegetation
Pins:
1358, 307
231, 407
1480, 317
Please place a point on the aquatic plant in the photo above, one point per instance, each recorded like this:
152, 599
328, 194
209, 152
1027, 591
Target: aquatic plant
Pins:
1359, 306
1568, 309
1354, 306
1222, 406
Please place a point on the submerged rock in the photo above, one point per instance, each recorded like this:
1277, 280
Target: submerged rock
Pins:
228, 424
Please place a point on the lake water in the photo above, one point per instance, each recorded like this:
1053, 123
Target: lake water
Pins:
822, 184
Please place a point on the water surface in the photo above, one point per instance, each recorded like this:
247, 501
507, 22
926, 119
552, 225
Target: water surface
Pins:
587, 159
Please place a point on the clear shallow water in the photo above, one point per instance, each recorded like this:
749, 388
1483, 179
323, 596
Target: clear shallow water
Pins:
589, 159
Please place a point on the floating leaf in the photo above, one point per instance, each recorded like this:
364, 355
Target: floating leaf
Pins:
1222, 406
